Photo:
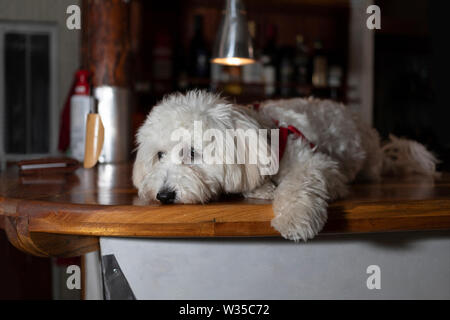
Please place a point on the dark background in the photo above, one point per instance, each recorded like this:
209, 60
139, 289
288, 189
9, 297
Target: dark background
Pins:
412, 74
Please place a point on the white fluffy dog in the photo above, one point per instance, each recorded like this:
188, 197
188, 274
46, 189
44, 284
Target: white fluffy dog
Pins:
333, 149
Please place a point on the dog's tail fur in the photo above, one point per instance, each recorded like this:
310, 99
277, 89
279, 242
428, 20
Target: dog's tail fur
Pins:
406, 157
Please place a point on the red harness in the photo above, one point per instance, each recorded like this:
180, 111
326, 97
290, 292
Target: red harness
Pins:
284, 133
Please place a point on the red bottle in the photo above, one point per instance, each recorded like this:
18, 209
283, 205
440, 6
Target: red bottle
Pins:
80, 86
82, 82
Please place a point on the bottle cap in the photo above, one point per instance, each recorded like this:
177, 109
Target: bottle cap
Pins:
82, 82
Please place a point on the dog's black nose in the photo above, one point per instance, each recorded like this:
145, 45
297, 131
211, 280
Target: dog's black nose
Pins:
166, 196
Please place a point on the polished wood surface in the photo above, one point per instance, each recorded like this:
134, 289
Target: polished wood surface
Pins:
63, 215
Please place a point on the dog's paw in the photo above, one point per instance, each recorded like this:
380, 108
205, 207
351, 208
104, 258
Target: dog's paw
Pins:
299, 222
266, 192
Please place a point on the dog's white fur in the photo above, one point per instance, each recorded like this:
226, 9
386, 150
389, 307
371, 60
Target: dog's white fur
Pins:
307, 179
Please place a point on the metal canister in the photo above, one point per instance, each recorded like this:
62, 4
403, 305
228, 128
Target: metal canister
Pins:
114, 107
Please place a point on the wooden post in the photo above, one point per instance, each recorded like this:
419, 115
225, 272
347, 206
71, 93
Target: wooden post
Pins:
106, 41
106, 53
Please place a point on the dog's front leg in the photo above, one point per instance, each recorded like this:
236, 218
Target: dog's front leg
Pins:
265, 191
301, 199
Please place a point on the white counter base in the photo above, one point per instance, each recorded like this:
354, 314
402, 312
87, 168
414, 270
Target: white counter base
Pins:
413, 265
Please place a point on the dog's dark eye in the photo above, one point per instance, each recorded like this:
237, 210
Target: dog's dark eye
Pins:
160, 155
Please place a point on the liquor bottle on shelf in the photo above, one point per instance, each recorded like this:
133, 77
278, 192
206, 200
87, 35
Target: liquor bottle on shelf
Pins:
233, 85
253, 73
269, 60
199, 55
301, 68
181, 68
286, 72
183, 80
162, 63
335, 81
217, 76
320, 66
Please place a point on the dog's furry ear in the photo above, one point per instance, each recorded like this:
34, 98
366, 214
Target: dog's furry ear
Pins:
247, 176
138, 169
144, 153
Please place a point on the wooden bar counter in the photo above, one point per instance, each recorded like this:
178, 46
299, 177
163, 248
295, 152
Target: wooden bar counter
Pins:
64, 215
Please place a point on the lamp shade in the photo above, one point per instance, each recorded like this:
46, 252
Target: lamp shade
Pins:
233, 45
